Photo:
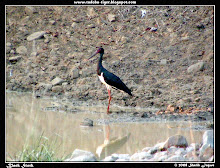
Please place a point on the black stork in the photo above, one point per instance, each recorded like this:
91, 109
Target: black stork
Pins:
108, 78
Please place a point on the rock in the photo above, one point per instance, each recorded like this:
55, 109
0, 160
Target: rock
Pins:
196, 67
206, 154
110, 159
160, 156
208, 138
192, 147
52, 22
12, 51
144, 115
87, 123
141, 156
57, 81
121, 157
156, 148
91, 12
30, 10
208, 142
176, 140
74, 24
170, 108
15, 58
91, 26
111, 17
57, 89
82, 156
163, 62
21, 50
191, 156
36, 35
75, 73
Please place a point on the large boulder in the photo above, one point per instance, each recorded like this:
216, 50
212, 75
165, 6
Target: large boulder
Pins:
175, 140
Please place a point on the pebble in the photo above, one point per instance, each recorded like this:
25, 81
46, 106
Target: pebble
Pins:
57, 81
87, 122
196, 67
15, 58
74, 73
30, 10
111, 17
36, 35
21, 50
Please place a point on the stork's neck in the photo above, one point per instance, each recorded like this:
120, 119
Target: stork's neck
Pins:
99, 66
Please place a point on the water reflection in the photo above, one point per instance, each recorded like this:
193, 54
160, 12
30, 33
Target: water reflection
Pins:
112, 145
27, 119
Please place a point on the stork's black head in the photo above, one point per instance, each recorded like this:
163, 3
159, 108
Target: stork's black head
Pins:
100, 50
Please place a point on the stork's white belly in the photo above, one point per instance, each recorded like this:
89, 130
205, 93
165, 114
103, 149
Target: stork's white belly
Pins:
101, 78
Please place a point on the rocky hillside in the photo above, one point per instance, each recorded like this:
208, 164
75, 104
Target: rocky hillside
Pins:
47, 48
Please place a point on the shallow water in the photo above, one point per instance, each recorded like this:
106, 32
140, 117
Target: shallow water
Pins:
27, 118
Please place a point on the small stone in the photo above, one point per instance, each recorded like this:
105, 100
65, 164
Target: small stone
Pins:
91, 12
30, 10
196, 67
111, 17
73, 24
75, 73
144, 115
57, 89
15, 58
170, 108
12, 52
87, 122
36, 35
52, 22
21, 50
91, 26
57, 81
163, 62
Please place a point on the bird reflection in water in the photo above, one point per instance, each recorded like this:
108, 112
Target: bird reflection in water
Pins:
110, 145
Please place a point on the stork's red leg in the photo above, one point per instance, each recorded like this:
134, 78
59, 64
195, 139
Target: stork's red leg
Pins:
109, 100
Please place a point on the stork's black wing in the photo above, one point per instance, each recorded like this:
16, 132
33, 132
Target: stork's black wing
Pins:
115, 81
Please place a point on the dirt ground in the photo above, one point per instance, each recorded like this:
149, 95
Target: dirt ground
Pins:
171, 68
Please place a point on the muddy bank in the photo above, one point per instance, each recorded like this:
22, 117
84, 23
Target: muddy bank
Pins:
46, 48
